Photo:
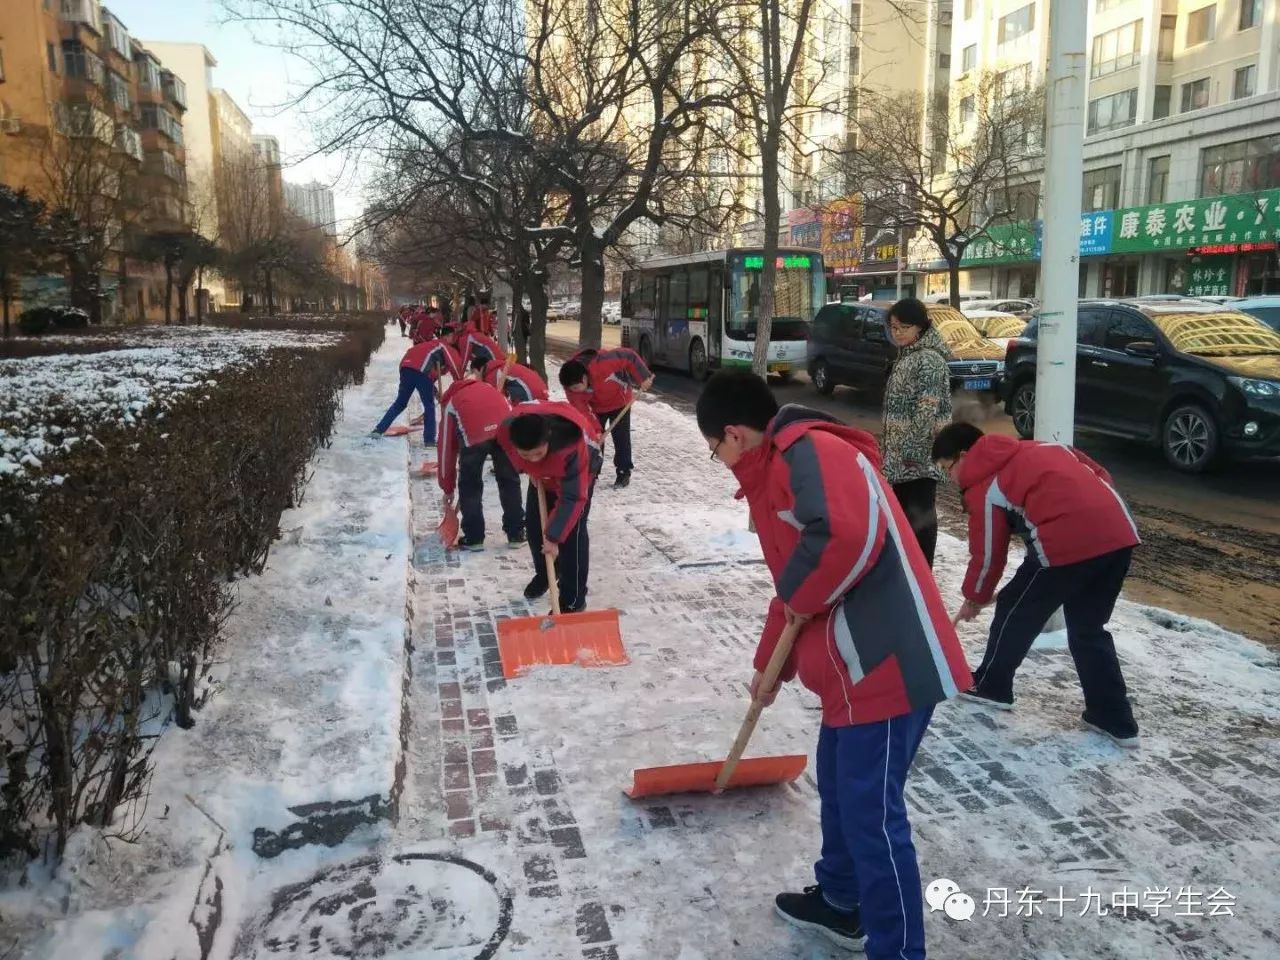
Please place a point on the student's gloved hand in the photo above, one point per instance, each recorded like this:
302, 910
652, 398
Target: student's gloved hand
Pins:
767, 696
551, 550
647, 384
793, 617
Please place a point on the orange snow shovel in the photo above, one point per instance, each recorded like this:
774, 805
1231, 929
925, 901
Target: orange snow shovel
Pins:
716, 776
590, 639
397, 430
448, 528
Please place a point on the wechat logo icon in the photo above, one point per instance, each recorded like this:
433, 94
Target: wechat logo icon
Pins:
946, 895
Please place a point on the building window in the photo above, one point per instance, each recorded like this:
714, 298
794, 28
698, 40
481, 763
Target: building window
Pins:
1120, 278
1161, 103
83, 63
1250, 13
966, 109
1157, 179
1102, 189
1017, 24
968, 9
1102, 6
1195, 95
944, 61
1240, 167
1111, 113
1246, 82
1116, 49
52, 53
118, 87
1200, 25
148, 73
969, 58
1168, 32
1013, 80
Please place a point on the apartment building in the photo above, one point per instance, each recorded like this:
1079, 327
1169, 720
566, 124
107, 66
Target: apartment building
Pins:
313, 202
84, 105
886, 47
1182, 151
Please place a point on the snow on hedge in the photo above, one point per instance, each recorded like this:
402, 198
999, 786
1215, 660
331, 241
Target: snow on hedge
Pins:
50, 403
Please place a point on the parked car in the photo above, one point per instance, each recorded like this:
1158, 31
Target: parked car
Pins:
1266, 309
945, 298
1234, 301
850, 345
1021, 307
1198, 380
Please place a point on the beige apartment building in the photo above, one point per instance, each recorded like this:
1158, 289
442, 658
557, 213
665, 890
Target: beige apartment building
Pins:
883, 46
1182, 151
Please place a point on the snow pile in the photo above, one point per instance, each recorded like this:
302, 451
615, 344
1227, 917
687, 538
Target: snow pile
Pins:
50, 403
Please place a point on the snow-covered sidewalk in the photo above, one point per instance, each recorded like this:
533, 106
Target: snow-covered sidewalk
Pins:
514, 838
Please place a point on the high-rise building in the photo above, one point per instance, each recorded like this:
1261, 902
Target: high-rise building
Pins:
313, 202
1182, 151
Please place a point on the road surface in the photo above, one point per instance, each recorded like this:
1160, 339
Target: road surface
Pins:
1211, 543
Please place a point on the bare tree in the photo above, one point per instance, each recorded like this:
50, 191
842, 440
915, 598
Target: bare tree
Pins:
964, 175
24, 237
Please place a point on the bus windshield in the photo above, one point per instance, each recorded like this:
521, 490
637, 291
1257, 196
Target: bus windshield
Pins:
798, 293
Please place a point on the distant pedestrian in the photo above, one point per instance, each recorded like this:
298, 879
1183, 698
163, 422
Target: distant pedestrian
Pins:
917, 403
1080, 538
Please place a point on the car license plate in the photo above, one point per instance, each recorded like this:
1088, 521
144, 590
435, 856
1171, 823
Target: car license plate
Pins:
977, 383
779, 367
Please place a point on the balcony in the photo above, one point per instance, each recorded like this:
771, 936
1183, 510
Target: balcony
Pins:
118, 90
83, 11
166, 164
118, 38
82, 63
81, 121
175, 91
129, 142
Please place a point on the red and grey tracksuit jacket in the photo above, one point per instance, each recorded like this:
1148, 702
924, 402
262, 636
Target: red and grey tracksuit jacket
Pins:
1062, 504
483, 319
880, 643
612, 376
568, 470
474, 343
470, 413
522, 384
432, 356
427, 325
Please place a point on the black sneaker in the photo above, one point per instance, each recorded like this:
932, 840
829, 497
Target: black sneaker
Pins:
1125, 735
622, 480
465, 543
810, 911
536, 588
517, 540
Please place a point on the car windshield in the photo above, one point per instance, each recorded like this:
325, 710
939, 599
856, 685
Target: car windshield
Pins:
1000, 325
1225, 334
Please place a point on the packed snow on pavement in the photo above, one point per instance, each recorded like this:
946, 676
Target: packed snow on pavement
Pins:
513, 836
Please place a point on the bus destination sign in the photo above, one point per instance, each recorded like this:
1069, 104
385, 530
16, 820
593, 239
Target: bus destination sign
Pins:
783, 263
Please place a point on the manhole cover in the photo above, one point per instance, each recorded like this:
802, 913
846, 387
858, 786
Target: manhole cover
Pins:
388, 907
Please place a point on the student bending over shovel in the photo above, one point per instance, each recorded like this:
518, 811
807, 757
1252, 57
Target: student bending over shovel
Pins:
559, 448
876, 646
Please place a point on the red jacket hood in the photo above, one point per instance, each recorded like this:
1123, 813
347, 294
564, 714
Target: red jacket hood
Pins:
793, 421
987, 457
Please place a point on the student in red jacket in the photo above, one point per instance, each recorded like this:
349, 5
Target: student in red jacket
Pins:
470, 413
1080, 537
473, 343
876, 645
604, 382
429, 323
520, 384
559, 447
420, 369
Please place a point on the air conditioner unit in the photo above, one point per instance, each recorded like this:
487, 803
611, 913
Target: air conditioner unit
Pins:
10, 125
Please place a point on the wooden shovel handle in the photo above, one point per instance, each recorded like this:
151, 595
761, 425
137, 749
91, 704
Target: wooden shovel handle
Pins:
767, 682
551, 567
604, 436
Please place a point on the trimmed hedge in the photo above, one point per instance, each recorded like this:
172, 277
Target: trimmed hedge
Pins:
115, 584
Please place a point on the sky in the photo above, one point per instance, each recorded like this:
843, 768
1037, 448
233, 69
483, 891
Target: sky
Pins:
259, 78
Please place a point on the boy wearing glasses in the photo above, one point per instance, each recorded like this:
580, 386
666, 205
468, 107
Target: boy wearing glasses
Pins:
1080, 538
876, 645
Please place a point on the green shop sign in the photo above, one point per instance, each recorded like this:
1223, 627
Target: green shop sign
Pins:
1210, 221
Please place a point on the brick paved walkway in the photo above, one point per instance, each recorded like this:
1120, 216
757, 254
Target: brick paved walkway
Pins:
525, 776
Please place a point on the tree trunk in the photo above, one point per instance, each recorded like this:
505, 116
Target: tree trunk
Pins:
953, 275
518, 341
7, 300
538, 325
199, 299
168, 295
183, 287
592, 299
270, 292
769, 253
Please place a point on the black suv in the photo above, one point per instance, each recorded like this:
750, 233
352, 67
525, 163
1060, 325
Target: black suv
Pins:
1197, 379
850, 345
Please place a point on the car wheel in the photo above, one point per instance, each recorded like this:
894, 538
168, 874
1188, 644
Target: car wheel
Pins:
1022, 408
821, 377
646, 351
1190, 438
698, 366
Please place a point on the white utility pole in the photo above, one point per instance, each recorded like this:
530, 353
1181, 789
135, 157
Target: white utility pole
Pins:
1059, 255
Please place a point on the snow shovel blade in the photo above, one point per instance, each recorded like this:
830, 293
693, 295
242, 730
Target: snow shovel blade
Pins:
417, 421
398, 430
428, 468
701, 777
589, 639
448, 529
